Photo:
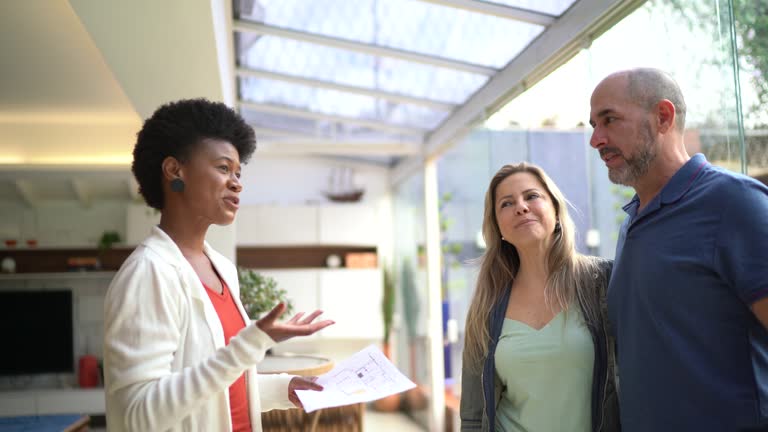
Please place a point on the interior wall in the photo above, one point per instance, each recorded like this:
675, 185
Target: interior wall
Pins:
61, 223
271, 179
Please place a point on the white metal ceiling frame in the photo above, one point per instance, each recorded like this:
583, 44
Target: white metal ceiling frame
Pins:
361, 47
339, 147
561, 40
282, 141
314, 115
397, 148
582, 23
380, 94
499, 10
263, 29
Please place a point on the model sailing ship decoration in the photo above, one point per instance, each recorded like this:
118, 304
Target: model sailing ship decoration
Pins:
341, 186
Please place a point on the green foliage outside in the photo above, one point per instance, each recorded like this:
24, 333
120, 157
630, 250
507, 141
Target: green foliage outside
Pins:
752, 28
751, 23
623, 195
259, 293
450, 250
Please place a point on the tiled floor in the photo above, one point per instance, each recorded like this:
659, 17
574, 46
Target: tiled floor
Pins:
373, 422
380, 422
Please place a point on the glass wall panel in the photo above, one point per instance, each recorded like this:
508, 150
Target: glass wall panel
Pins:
411, 351
751, 30
547, 125
691, 39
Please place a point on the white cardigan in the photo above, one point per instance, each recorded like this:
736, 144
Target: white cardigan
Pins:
166, 366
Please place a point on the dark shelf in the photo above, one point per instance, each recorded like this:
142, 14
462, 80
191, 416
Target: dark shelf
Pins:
40, 260
282, 257
55, 260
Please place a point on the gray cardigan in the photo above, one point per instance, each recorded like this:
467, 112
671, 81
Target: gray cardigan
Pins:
476, 389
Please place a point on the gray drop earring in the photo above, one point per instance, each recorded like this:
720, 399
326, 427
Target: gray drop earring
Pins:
177, 185
558, 227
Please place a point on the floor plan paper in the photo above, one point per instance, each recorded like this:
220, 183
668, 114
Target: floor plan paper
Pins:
366, 376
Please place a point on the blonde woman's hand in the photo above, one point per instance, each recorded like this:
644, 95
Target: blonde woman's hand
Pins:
301, 383
296, 326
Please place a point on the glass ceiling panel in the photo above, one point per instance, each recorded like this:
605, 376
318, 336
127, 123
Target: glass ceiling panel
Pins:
351, 68
334, 102
312, 128
415, 26
550, 7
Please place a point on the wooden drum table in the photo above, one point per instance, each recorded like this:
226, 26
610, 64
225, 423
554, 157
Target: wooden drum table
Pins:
346, 418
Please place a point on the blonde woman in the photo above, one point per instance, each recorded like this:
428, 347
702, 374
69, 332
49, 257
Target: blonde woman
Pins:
536, 355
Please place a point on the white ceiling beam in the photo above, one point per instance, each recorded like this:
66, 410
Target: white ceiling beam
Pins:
498, 10
26, 191
377, 50
262, 131
81, 191
310, 82
296, 112
406, 168
331, 147
575, 29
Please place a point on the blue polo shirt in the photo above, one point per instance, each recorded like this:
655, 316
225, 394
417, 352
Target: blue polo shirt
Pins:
691, 354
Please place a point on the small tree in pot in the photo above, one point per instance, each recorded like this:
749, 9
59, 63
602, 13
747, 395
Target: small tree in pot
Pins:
392, 402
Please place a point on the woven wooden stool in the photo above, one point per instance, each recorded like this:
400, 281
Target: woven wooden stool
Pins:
338, 419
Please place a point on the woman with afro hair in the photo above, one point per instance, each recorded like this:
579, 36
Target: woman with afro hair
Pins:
180, 353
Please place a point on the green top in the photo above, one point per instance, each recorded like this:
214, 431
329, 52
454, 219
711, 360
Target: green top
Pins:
546, 374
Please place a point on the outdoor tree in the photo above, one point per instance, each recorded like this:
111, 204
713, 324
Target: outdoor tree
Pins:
751, 23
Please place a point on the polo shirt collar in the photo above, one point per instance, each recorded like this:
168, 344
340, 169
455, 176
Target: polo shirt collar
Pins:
683, 179
676, 187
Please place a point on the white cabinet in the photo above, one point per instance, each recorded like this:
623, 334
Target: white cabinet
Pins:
277, 225
300, 286
336, 225
350, 297
348, 224
139, 221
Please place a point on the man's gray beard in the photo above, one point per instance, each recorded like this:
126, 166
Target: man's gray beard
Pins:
637, 166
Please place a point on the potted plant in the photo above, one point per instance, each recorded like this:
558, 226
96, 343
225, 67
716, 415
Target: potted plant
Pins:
259, 293
109, 238
392, 402
387, 308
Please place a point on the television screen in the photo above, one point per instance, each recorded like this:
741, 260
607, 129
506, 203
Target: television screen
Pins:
37, 332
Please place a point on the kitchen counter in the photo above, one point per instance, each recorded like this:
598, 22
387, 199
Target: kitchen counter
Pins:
80, 275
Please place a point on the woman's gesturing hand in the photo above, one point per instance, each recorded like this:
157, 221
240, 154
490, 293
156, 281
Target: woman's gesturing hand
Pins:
296, 326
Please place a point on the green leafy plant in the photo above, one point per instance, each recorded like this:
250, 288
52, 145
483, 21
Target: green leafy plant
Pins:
388, 302
450, 250
108, 238
259, 293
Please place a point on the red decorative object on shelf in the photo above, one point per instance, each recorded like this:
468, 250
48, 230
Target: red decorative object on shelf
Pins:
88, 371
10, 243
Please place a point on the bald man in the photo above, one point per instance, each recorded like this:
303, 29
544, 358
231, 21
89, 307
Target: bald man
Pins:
688, 299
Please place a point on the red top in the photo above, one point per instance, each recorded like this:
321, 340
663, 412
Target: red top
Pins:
232, 322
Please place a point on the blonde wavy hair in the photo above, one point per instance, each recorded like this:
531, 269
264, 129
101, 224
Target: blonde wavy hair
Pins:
571, 275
